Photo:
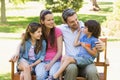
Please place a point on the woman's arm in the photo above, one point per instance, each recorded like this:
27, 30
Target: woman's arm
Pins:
59, 50
58, 54
16, 55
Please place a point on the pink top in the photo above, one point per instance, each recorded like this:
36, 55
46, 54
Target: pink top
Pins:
31, 53
51, 51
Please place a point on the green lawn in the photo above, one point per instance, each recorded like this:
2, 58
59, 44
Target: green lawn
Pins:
5, 76
18, 24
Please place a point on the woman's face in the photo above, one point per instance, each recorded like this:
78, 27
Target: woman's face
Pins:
49, 21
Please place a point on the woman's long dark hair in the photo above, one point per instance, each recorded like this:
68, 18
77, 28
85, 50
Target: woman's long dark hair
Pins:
94, 27
31, 28
51, 35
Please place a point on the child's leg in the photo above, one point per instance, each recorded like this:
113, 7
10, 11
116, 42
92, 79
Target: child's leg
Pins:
21, 75
62, 60
67, 60
24, 66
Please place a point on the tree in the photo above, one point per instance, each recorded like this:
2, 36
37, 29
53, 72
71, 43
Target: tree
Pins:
3, 8
3, 11
60, 5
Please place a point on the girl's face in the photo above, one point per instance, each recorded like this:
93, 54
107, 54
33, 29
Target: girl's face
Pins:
49, 21
37, 34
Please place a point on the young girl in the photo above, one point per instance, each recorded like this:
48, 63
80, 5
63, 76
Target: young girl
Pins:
31, 51
88, 50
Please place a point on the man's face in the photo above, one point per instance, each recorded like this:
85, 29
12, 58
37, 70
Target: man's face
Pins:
72, 22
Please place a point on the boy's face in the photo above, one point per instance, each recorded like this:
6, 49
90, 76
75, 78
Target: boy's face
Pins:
86, 31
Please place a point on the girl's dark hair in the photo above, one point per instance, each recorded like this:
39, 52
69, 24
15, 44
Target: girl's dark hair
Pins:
31, 28
51, 35
94, 27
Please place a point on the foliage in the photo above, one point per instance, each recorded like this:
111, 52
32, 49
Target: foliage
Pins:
60, 5
18, 1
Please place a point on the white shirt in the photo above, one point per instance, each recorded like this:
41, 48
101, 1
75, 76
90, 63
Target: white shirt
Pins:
69, 37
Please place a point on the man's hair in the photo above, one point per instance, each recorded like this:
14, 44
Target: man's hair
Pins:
66, 13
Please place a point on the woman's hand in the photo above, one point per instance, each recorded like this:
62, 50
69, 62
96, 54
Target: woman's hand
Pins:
48, 66
31, 67
14, 58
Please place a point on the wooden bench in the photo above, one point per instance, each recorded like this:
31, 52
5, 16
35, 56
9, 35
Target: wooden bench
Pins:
104, 64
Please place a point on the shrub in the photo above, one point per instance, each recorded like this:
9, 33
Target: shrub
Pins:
60, 5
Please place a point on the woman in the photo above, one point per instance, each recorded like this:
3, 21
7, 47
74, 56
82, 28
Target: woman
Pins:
53, 37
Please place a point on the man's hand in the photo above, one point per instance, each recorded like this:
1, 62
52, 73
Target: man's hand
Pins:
100, 45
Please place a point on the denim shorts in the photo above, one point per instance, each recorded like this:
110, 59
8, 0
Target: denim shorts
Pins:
27, 61
83, 61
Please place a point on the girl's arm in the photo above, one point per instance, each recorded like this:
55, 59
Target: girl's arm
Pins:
42, 52
92, 51
35, 63
77, 42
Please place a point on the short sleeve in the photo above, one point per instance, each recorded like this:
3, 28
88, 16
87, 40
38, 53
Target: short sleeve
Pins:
58, 32
93, 42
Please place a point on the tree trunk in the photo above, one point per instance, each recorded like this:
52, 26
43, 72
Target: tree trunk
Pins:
3, 11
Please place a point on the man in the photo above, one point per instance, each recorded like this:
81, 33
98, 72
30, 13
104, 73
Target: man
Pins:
69, 31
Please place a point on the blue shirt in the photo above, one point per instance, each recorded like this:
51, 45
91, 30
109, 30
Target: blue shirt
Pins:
91, 41
24, 52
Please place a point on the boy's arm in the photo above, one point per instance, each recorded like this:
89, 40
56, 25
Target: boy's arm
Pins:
92, 51
77, 42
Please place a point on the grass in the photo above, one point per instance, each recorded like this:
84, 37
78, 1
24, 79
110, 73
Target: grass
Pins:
5, 76
18, 24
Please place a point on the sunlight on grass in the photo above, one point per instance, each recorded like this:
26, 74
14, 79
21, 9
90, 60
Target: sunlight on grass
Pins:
5, 76
85, 17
